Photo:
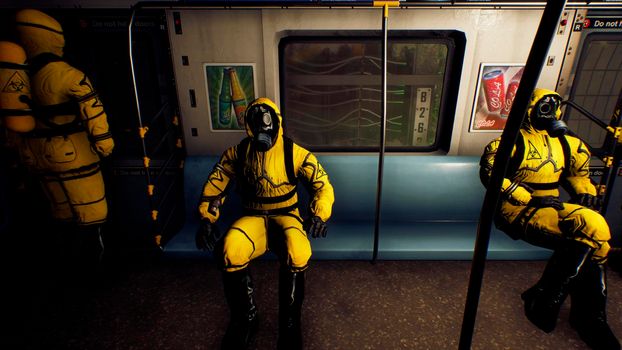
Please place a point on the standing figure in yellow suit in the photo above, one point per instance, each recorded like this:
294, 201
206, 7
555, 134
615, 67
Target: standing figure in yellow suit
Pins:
70, 134
544, 158
266, 167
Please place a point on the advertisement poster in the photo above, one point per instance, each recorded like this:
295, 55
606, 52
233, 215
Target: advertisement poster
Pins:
230, 88
496, 89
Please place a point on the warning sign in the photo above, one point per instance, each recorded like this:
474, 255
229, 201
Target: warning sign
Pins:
603, 23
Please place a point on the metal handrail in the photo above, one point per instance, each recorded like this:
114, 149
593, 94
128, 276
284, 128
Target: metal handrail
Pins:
586, 113
383, 128
151, 183
330, 4
535, 61
135, 87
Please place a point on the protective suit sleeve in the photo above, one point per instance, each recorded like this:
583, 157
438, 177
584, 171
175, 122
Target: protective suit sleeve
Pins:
213, 194
312, 171
91, 110
578, 174
513, 191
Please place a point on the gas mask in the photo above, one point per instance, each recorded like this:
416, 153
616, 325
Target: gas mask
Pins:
264, 124
544, 116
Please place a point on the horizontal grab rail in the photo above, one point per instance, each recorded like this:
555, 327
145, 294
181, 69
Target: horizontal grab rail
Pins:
202, 4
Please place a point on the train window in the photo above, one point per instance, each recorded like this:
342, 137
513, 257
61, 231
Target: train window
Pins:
597, 85
331, 89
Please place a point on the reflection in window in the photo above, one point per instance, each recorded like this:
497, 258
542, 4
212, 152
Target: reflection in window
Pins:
332, 91
597, 85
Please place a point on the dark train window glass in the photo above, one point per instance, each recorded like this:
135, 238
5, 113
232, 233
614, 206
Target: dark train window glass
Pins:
331, 91
597, 85
107, 66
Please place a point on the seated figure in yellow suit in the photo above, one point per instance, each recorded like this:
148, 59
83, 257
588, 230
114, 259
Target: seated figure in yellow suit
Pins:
70, 134
544, 158
266, 167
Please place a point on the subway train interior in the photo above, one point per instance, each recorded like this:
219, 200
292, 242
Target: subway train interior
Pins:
400, 130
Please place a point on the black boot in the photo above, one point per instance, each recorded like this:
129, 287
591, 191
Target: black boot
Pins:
543, 300
243, 320
89, 250
291, 295
588, 315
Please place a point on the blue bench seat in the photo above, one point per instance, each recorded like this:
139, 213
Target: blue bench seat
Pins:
430, 210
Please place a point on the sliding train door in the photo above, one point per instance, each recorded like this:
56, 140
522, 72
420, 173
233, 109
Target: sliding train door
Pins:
597, 87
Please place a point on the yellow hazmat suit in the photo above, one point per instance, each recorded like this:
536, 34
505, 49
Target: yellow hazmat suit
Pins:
539, 165
71, 130
543, 159
268, 196
266, 166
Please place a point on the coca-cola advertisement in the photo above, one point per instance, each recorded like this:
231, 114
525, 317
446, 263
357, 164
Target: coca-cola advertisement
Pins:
496, 88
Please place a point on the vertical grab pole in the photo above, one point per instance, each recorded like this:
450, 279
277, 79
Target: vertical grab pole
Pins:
533, 67
142, 129
383, 121
134, 85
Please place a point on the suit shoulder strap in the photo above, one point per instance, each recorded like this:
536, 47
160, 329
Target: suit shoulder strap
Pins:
241, 150
289, 159
566, 149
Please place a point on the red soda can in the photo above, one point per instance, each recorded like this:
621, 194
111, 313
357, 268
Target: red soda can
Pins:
494, 87
511, 93
509, 99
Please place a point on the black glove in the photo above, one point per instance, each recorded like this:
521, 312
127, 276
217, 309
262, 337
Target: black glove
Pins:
587, 200
546, 202
207, 235
315, 227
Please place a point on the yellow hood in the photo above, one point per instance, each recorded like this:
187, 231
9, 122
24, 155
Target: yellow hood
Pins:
268, 103
536, 96
39, 33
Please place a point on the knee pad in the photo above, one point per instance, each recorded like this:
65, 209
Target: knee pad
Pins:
235, 259
299, 258
586, 223
235, 256
586, 226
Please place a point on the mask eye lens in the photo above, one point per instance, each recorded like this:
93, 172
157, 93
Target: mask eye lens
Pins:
267, 119
544, 108
548, 106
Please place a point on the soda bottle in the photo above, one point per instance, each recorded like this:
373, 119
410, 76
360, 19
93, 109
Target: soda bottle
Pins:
224, 101
239, 98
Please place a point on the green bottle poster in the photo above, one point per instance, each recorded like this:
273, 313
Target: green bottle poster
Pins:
230, 87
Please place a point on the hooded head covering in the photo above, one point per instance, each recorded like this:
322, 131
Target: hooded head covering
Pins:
264, 123
544, 112
39, 33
